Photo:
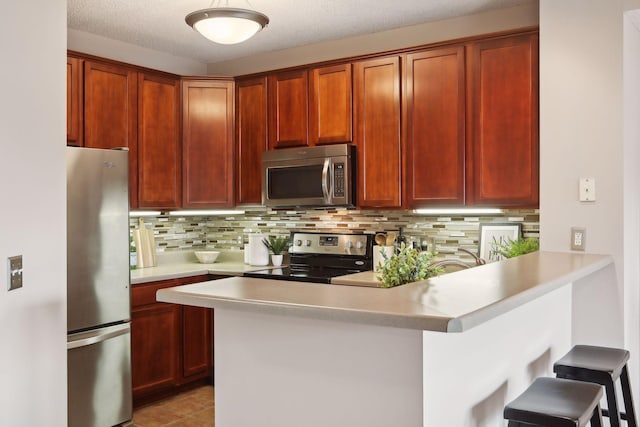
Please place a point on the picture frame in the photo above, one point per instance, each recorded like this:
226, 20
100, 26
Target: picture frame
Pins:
495, 232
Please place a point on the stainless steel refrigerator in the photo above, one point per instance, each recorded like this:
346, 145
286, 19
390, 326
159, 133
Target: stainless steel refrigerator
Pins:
98, 298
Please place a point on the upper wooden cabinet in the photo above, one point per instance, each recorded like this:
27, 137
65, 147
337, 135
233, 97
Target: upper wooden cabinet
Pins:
502, 138
159, 176
377, 132
74, 101
251, 138
207, 144
330, 104
288, 115
433, 119
110, 113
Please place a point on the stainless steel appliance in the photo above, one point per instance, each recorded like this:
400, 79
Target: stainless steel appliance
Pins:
314, 176
317, 257
98, 303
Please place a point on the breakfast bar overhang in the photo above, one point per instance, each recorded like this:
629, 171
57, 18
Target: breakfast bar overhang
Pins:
448, 351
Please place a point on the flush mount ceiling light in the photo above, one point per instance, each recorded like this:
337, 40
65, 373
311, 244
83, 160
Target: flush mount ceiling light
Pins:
227, 25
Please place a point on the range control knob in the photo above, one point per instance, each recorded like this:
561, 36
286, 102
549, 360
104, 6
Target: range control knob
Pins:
298, 242
349, 244
359, 244
308, 242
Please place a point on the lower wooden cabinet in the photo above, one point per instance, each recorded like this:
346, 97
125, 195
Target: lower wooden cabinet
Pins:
155, 332
171, 345
197, 342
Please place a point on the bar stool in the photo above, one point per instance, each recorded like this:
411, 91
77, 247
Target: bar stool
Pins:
555, 402
601, 365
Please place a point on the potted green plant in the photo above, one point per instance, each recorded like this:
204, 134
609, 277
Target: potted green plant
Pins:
513, 248
277, 245
405, 266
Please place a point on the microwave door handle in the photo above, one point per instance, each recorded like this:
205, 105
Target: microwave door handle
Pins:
325, 179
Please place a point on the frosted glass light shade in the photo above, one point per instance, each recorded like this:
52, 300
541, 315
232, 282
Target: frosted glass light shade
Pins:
226, 25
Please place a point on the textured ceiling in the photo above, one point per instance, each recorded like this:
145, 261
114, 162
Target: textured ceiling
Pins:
160, 25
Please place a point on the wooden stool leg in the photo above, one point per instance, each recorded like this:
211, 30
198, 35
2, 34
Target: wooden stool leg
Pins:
614, 412
596, 418
628, 400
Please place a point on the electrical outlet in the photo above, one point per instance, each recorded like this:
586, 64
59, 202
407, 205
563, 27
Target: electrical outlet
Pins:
14, 271
578, 238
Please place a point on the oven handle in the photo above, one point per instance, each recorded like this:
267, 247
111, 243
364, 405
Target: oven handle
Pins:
325, 178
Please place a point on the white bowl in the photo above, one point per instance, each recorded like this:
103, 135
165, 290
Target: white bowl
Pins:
207, 257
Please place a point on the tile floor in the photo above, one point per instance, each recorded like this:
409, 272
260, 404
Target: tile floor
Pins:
194, 408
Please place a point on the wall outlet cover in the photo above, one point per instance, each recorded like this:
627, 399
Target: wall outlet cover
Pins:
578, 238
14, 271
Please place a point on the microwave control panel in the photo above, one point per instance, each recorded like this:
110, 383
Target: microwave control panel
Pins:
338, 177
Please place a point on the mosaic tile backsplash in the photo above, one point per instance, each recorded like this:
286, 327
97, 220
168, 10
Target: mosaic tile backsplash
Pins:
444, 233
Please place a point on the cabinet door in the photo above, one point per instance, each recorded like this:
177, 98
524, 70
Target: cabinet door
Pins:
377, 132
434, 132
196, 341
330, 105
251, 137
155, 348
503, 122
197, 337
288, 101
74, 101
159, 176
207, 144
110, 113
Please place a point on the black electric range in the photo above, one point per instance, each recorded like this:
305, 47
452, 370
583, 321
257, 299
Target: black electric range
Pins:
317, 257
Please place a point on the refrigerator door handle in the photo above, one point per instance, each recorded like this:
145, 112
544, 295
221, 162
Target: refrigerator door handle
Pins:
82, 339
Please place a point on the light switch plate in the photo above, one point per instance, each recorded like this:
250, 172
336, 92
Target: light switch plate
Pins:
587, 189
14, 272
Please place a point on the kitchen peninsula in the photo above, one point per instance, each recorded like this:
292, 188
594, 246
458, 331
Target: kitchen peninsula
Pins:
449, 351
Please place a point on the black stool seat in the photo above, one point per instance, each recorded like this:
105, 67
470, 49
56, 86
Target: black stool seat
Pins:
601, 365
554, 402
600, 360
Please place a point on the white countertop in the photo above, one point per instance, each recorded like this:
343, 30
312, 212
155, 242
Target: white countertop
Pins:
453, 302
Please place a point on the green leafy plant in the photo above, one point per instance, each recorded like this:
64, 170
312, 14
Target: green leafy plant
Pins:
405, 266
276, 244
513, 248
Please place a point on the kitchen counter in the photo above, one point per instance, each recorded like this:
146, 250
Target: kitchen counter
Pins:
184, 264
355, 356
452, 302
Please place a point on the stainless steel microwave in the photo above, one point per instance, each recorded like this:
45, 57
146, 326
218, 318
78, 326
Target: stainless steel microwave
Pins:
320, 176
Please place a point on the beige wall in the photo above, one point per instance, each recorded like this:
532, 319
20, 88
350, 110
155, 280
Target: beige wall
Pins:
488, 22
498, 20
632, 187
588, 86
581, 136
33, 367
126, 52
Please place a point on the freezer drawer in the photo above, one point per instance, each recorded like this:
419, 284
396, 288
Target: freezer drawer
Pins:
99, 377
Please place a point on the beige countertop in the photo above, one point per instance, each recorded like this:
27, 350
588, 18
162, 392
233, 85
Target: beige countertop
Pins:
453, 302
185, 264
366, 278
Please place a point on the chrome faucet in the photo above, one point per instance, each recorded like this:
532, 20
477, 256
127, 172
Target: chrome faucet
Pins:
456, 262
